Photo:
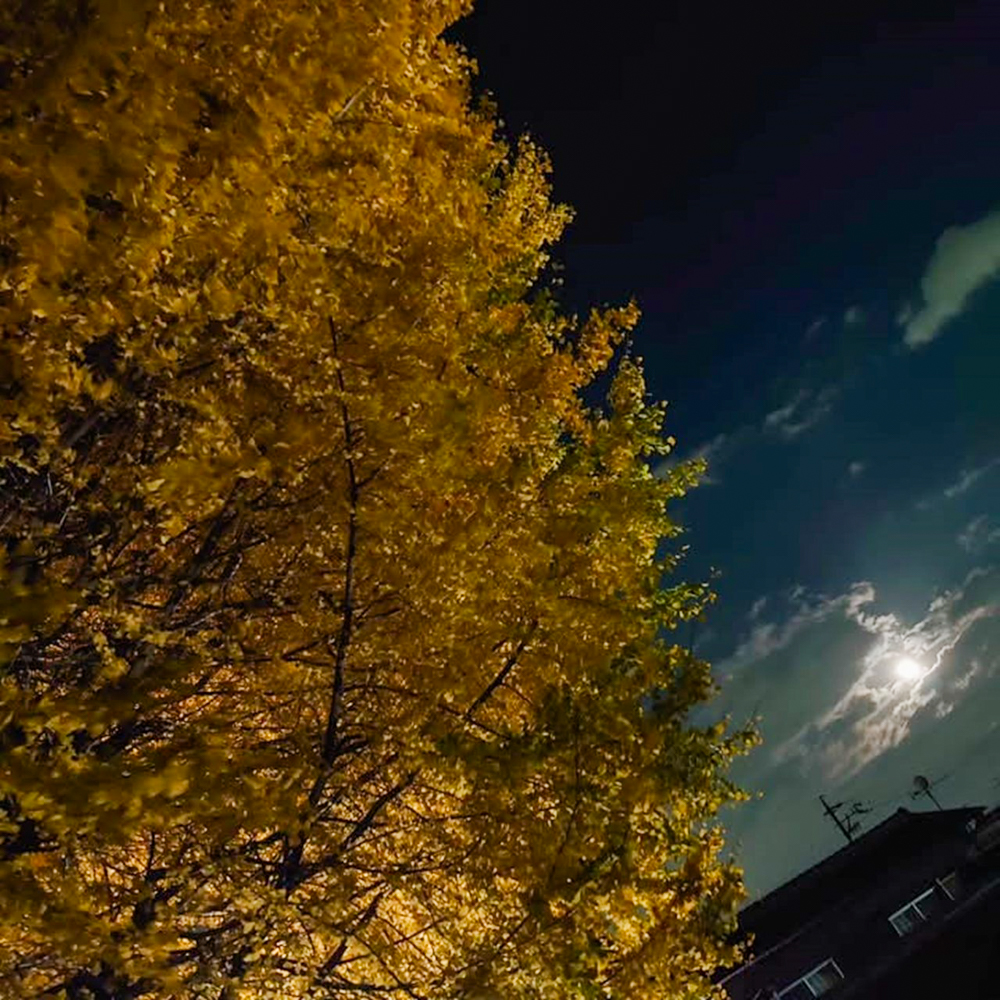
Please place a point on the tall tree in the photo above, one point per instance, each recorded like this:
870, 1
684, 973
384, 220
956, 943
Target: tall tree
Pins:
335, 640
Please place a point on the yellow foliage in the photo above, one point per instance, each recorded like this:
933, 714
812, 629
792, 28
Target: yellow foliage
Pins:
332, 620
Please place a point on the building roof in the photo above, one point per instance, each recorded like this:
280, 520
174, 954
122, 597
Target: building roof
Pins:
988, 830
904, 833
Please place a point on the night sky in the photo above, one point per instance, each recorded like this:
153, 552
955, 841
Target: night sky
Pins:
805, 201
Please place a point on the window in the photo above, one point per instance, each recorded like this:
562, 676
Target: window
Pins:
814, 984
797, 991
908, 918
824, 978
949, 883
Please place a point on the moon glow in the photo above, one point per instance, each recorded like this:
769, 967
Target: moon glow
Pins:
908, 669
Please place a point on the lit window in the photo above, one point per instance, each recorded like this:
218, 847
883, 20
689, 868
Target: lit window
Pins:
814, 984
916, 912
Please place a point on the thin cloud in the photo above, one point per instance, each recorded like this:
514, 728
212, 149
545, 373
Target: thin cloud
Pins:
854, 316
824, 674
978, 535
966, 479
856, 468
962, 682
768, 638
964, 259
711, 451
803, 411
820, 674
814, 327
877, 711
779, 417
715, 451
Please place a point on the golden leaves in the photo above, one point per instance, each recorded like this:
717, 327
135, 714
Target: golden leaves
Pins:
326, 663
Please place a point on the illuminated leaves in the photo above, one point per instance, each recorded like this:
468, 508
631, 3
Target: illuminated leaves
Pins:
330, 613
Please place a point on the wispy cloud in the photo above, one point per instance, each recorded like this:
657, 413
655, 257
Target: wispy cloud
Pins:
713, 451
777, 418
856, 468
877, 710
824, 675
978, 535
968, 478
854, 316
767, 638
803, 411
716, 451
964, 481
964, 259
814, 327
820, 672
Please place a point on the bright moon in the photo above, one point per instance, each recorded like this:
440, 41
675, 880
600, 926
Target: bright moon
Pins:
907, 669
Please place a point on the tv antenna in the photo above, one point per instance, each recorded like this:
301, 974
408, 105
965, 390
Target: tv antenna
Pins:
923, 786
847, 824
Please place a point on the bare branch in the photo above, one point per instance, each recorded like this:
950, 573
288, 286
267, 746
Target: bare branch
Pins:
346, 630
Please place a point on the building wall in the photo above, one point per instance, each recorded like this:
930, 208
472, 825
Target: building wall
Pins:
854, 929
960, 959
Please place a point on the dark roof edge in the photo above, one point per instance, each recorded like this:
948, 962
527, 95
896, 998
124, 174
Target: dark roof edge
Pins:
864, 842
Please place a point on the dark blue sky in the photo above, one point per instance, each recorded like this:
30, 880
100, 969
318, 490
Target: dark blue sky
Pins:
805, 201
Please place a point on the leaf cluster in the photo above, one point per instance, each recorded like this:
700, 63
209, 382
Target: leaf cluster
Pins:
329, 611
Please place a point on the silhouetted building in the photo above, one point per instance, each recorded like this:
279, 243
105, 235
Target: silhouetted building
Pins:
908, 910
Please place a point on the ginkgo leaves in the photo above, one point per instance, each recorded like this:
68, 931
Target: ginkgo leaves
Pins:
332, 617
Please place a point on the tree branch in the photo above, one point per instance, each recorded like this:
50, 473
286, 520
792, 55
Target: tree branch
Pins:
346, 630
508, 666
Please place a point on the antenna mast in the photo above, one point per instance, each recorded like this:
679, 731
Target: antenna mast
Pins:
921, 786
847, 825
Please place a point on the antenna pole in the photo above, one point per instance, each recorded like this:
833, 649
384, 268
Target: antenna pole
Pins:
930, 795
831, 811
